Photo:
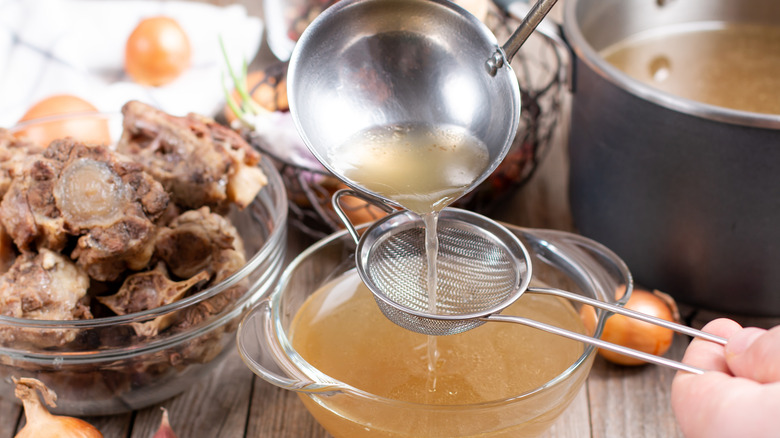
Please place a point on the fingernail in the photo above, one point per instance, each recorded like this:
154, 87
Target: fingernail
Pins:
741, 340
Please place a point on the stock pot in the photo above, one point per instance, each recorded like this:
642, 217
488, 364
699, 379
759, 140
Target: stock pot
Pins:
687, 193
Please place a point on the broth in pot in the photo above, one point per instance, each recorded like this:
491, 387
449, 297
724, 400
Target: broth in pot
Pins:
736, 66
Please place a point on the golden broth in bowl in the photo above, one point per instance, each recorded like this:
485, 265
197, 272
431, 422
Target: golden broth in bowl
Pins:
341, 331
322, 335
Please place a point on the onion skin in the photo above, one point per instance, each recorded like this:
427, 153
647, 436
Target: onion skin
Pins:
88, 129
41, 423
59, 427
157, 51
165, 430
632, 333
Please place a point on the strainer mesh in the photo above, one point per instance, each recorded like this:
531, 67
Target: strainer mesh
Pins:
475, 272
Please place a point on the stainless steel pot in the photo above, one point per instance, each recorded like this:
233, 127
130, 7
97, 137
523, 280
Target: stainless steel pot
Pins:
688, 194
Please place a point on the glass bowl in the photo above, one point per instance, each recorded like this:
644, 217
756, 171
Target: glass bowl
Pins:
265, 342
110, 367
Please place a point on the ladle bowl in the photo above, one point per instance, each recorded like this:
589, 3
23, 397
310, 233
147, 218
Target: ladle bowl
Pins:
364, 64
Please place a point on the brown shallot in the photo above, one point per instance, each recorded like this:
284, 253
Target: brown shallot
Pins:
633, 333
40, 422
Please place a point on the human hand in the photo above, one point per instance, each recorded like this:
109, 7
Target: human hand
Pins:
739, 395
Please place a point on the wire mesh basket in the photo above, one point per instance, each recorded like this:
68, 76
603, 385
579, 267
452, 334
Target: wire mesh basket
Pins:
540, 67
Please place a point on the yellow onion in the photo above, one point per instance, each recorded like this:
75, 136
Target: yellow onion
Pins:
41, 423
632, 333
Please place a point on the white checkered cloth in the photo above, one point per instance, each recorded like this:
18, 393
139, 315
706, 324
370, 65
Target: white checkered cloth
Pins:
77, 47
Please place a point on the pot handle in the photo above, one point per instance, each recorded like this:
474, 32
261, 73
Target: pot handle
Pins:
261, 351
548, 27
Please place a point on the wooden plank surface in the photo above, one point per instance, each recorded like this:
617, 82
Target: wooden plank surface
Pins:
232, 402
9, 416
633, 401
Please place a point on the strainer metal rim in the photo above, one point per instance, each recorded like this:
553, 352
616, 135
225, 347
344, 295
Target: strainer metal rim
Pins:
407, 219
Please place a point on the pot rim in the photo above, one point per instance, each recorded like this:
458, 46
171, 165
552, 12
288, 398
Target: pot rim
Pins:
588, 55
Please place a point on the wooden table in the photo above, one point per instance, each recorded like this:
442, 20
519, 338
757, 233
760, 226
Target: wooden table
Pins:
231, 402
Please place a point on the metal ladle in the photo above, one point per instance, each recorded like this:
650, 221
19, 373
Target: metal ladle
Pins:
363, 64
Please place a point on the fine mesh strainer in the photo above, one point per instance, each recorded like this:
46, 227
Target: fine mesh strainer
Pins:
482, 268
480, 271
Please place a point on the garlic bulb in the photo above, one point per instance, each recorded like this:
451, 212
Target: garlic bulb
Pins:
165, 430
40, 422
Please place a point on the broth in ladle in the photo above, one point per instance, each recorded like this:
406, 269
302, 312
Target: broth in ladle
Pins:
422, 168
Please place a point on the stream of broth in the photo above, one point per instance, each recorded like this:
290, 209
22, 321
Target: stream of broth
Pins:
431, 253
423, 169
735, 67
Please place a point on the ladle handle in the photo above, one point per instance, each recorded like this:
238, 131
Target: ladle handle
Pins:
520, 35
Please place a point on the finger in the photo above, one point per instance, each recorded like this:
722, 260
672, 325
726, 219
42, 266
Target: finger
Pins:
709, 355
754, 353
715, 405
708, 405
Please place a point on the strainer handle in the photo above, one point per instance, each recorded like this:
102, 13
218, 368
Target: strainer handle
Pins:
631, 314
608, 345
336, 200
596, 342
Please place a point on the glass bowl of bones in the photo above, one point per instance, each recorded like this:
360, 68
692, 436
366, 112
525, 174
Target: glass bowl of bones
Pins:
127, 264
